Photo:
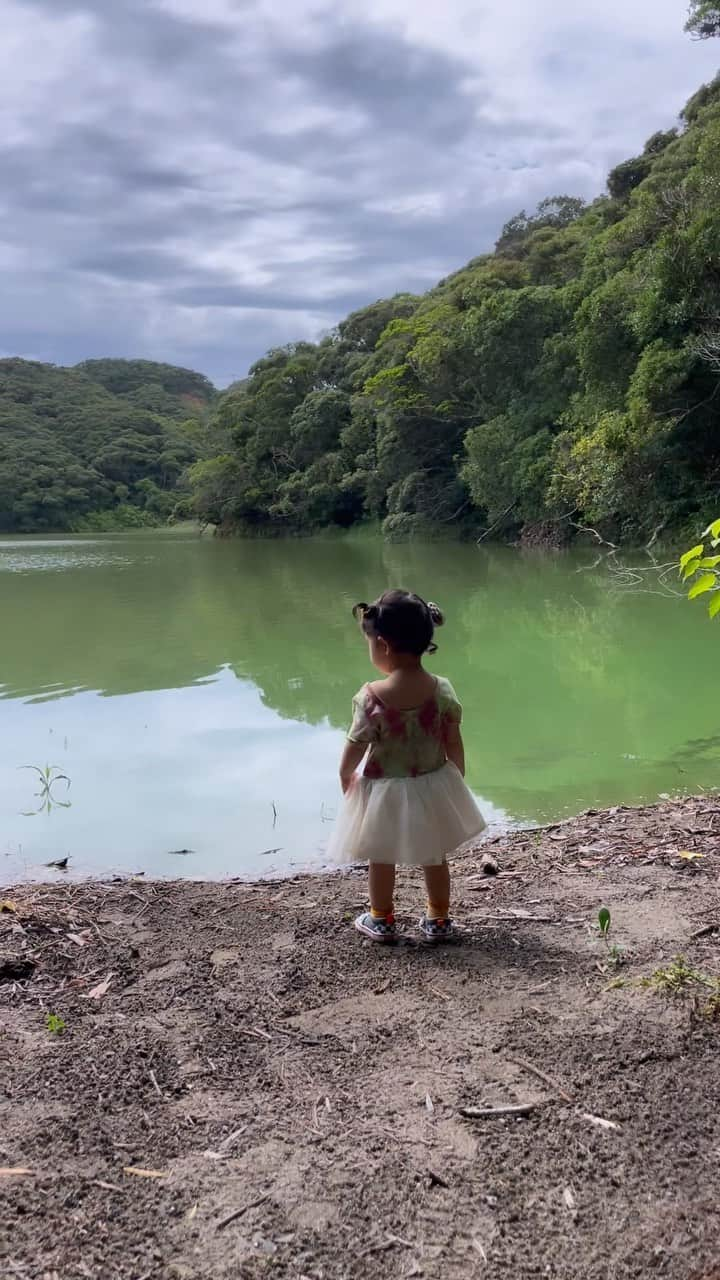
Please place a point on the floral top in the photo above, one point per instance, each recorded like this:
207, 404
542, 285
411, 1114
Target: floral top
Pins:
408, 743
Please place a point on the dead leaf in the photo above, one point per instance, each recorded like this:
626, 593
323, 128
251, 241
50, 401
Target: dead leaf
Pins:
77, 939
7, 905
145, 1173
688, 855
599, 1121
429, 1105
14, 1173
100, 990
191, 1212
569, 1198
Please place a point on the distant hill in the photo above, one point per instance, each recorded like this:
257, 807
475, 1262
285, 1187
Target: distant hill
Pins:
103, 445
159, 388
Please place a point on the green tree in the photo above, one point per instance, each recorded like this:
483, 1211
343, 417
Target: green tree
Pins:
704, 19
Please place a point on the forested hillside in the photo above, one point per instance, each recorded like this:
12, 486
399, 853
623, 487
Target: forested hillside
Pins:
571, 376
104, 445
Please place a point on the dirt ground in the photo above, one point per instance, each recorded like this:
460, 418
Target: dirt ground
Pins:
224, 1080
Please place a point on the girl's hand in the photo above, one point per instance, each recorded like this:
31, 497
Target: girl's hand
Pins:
352, 756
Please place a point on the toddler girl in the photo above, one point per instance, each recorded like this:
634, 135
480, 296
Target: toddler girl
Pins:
411, 806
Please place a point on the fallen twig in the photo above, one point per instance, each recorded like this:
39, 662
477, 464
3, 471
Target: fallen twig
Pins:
155, 1085
487, 1113
548, 1080
599, 1121
705, 931
383, 1244
238, 1213
497, 522
519, 919
227, 1143
254, 1033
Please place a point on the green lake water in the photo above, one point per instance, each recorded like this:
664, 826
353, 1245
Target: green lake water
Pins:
195, 692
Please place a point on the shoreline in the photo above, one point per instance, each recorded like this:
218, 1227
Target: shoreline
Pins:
208, 1080
508, 840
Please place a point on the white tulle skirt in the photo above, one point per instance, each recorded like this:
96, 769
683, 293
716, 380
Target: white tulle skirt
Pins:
413, 822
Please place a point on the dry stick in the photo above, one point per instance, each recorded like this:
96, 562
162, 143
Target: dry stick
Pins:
518, 919
254, 1034
155, 1084
706, 929
232, 1137
482, 1113
499, 520
535, 1071
383, 1244
238, 1213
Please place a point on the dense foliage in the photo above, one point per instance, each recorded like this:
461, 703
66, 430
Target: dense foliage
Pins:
704, 19
104, 445
569, 377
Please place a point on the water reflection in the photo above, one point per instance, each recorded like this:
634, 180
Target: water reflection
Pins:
201, 680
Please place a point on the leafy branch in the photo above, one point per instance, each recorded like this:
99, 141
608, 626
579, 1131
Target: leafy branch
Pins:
701, 570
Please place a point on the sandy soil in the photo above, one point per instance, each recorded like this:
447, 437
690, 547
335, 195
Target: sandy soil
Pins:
242, 1087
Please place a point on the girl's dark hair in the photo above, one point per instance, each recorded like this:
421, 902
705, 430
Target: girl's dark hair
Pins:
403, 619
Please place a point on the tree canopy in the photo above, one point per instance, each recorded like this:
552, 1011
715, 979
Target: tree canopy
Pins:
104, 445
704, 19
570, 376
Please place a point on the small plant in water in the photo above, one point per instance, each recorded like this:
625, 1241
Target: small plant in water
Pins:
49, 777
54, 1024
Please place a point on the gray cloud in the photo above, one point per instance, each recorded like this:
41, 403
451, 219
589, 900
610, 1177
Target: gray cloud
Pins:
196, 180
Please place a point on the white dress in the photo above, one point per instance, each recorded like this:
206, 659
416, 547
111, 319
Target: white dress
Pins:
411, 806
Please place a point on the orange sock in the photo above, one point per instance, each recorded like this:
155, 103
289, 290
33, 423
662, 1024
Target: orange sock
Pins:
381, 915
437, 910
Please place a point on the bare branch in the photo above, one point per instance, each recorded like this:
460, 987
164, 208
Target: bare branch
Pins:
707, 347
597, 536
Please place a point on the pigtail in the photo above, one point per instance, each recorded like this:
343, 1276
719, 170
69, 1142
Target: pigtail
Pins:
402, 619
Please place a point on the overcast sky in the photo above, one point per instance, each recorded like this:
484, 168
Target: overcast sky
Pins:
199, 180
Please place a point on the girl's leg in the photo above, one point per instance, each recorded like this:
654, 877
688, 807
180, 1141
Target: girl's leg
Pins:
381, 876
437, 883
379, 922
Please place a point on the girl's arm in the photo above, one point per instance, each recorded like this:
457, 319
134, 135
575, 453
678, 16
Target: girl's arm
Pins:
349, 761
454, 747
